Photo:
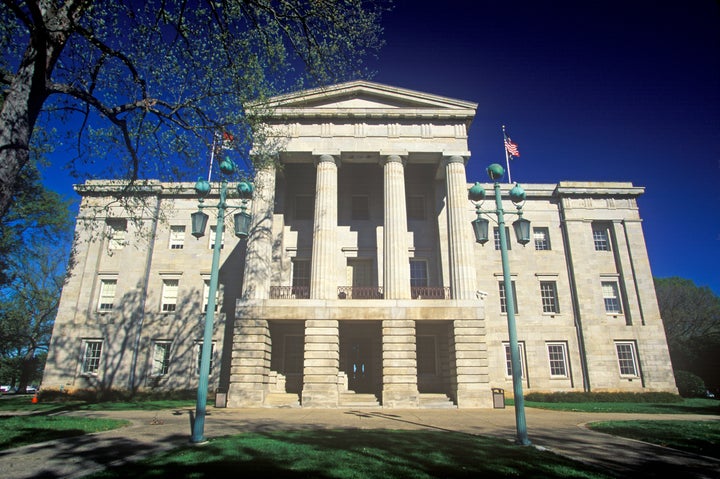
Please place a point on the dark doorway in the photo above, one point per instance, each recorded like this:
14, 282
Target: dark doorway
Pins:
360, 355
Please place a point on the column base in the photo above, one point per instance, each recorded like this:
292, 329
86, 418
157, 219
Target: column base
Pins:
402, 398
476, 397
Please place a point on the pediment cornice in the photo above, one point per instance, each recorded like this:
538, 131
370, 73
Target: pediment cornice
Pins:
364, 100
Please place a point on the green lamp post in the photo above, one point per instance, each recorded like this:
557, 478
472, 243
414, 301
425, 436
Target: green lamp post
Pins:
199, 222
476, 194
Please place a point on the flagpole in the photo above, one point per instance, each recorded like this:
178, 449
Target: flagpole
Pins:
212, 156
507, 156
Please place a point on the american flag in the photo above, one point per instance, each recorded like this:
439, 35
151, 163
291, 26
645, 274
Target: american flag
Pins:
511, 147
227, 141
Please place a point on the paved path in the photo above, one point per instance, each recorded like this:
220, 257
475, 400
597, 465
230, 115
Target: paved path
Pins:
560, 432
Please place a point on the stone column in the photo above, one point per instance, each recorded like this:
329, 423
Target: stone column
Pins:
250, 362
462, 264
469, 351
258, 267
322, 363
323, 271
399, 364
396, 263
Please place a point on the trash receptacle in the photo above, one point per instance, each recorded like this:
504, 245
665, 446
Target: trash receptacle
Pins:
220, 398
498, 398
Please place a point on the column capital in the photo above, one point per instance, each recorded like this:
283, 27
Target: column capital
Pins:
456, 157
327, 157
392, 158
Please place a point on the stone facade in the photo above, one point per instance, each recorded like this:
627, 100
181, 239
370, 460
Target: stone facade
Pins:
360, 283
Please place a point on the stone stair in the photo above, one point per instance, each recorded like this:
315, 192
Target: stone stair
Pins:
355, 400
282, 400
435, 401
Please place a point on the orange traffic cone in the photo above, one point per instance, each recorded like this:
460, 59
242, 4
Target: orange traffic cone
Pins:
34, 399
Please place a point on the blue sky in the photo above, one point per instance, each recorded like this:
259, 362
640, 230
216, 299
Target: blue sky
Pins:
590, 91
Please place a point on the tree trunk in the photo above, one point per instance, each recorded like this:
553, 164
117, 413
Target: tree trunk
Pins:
17, 120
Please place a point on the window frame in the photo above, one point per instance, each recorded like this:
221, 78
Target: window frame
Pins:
601, 236
168, 303
550, 302
105, 307
496, 238
414, 264
562, 361
211, 240
165, 346
90, 364
623, 361
503, 297
117, 233
508, 360
198, 356
616, 298
543, 243
177, 237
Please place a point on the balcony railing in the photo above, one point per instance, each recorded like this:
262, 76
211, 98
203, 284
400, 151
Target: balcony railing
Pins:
430, 292
289, 292
359, 292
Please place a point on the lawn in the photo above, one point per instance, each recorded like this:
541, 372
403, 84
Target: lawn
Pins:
686, 406
23, 430
347, 454
698, 437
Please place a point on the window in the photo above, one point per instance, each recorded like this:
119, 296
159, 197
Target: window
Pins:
301, 278
542, 239
213, 232
304, 207
418, 273
92, 351
557, 357
117, 232
601, 236
161, 358
503, 298
611, 297
169, 295
177, 236
107, 294
508, 359
496, 236
360, 205
426, 355
198, 347
416, 207
627, 358
206, 296
548, 294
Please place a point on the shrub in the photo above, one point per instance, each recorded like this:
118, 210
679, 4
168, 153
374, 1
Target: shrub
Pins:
587, 397
114, 395
690, 385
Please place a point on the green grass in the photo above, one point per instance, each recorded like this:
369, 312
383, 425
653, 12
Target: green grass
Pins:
348, 454
24, 404
698, 437
686, 406
23, 430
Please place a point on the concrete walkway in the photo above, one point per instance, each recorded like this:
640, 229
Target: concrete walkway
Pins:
560, 432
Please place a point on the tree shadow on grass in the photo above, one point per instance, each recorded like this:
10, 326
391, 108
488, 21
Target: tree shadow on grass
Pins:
368, 454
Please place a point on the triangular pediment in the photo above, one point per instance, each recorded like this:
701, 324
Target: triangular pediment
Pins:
363, 98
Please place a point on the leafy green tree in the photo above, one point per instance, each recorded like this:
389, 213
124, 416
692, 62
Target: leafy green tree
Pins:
691, 315
143, 87
34, 244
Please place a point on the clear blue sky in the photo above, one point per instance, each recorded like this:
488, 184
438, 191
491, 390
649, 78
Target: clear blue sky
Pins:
591, 91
